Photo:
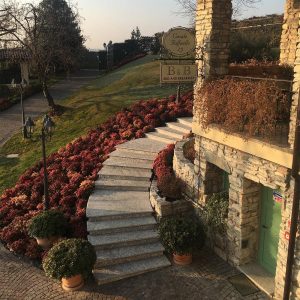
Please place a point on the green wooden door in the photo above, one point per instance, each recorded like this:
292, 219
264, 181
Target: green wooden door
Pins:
269, 231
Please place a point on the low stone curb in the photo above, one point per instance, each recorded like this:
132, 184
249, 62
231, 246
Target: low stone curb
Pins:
165, 208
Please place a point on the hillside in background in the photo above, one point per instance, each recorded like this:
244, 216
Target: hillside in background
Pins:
256, 37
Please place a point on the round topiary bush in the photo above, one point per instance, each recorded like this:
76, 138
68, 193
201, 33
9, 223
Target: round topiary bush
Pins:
181, 235
69, 258
48, 224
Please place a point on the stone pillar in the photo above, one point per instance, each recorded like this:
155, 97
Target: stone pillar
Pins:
243, 219
210, 176
296, 89
286, 213
289, 32
213, 24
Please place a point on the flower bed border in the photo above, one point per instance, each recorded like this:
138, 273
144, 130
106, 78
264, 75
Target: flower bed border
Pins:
165, 208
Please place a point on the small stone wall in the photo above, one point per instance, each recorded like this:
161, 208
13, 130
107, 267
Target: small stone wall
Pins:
164, 208
184, 169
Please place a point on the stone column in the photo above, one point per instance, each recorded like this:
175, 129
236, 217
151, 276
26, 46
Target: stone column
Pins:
283, 247
213, 24
289, 32
243, 219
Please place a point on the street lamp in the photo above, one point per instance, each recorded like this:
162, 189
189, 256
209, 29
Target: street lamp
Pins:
29, 125
21, 86
47, 130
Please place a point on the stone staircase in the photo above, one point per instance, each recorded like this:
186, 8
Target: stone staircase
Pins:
120, 223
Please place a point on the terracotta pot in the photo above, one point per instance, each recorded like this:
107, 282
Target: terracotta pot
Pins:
182, 260
46, 243
73, 283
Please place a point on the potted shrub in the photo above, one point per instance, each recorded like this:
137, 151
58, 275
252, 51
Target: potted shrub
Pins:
181, 236
70, 261
48, 227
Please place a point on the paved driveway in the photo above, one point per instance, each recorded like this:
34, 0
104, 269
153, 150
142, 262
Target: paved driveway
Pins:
10, 119
205, 279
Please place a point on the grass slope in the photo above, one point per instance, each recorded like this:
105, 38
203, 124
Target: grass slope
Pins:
90, 106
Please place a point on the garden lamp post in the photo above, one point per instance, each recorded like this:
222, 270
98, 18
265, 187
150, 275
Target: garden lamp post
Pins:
21, 86
47, 131
29, 126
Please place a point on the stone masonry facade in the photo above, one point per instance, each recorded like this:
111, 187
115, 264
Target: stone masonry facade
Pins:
184, 169
289, 32
246, 176
247, 173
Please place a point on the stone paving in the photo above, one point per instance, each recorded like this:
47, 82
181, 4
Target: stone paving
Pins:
205, 279
34, 106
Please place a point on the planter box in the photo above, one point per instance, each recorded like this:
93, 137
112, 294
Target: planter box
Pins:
164, 208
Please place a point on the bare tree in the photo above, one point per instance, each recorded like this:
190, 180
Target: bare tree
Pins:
40, 33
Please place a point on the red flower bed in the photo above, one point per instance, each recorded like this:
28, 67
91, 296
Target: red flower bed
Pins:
163, 163
167, 183
73, 169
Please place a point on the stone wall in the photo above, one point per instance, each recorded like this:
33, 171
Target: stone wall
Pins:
213, 24
247, 174
184, 169
165, 208
289, 33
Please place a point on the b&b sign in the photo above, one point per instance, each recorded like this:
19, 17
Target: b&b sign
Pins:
178, 44
178, 73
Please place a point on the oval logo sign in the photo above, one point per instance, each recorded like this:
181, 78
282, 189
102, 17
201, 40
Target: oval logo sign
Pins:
179, 42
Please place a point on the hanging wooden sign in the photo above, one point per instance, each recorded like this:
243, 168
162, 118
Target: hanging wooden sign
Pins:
179, 43
176, 73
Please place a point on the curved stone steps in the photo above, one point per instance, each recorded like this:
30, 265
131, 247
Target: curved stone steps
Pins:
121, 225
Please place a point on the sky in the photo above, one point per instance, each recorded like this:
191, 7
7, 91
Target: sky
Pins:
105, 20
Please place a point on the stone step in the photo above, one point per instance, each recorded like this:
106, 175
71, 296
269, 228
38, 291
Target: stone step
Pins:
179, 127
172, 133
120, 225
143, 145
120, 255
122, 185
106, 204
133, 154
129, 269
115, 172
108, 241
160, 137
186, 121
127, 162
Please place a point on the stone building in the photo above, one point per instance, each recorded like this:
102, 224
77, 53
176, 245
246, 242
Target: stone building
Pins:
257, 172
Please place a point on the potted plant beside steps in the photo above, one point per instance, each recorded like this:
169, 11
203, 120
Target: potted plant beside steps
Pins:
48, 227
181, 236
70, 261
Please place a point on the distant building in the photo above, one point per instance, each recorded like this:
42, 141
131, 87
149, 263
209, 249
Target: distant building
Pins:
14, 63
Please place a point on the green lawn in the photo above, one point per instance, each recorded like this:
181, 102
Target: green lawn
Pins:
88, 107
